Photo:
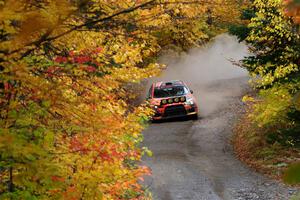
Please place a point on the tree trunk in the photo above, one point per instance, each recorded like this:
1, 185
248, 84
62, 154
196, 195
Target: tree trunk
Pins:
11, 184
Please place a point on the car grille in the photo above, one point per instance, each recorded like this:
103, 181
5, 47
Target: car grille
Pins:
174, 111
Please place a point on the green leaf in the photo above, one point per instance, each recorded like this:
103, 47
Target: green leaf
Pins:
292, 174
30, 157
296, 101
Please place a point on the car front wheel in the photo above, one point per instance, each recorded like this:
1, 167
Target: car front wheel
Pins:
195, 117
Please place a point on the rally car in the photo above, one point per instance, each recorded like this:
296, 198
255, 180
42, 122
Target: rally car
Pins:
172, 99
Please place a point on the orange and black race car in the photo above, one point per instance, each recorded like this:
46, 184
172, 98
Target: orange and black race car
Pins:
172, 99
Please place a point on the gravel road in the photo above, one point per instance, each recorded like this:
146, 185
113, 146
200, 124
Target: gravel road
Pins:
194, 160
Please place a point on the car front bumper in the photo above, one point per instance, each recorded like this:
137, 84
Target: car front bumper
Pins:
169, 112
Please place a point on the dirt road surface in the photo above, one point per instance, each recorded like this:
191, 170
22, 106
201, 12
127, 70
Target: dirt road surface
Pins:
194, 160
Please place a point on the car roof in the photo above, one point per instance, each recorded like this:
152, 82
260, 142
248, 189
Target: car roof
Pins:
165, 84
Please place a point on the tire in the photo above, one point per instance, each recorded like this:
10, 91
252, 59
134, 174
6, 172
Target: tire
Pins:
195, 117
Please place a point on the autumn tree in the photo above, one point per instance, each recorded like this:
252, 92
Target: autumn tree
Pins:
67, 130
293, 10
271, 31
274, 65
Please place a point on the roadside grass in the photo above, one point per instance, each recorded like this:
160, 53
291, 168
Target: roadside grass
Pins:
252, 146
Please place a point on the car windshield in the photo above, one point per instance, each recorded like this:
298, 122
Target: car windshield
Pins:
170, 91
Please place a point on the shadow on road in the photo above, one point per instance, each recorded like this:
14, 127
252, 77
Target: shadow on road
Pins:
176, 119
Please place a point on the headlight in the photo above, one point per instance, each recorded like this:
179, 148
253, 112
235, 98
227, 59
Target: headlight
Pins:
182, 99
170, 100
189, 101
176, 100
164, 101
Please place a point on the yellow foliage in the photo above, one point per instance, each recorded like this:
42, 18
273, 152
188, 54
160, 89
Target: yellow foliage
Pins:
67, 129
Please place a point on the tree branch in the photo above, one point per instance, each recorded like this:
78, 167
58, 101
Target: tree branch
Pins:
46, 37
128, 10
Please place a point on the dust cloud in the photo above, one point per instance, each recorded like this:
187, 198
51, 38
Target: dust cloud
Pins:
209, 72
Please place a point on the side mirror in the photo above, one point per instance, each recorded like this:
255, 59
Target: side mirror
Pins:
192, 92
